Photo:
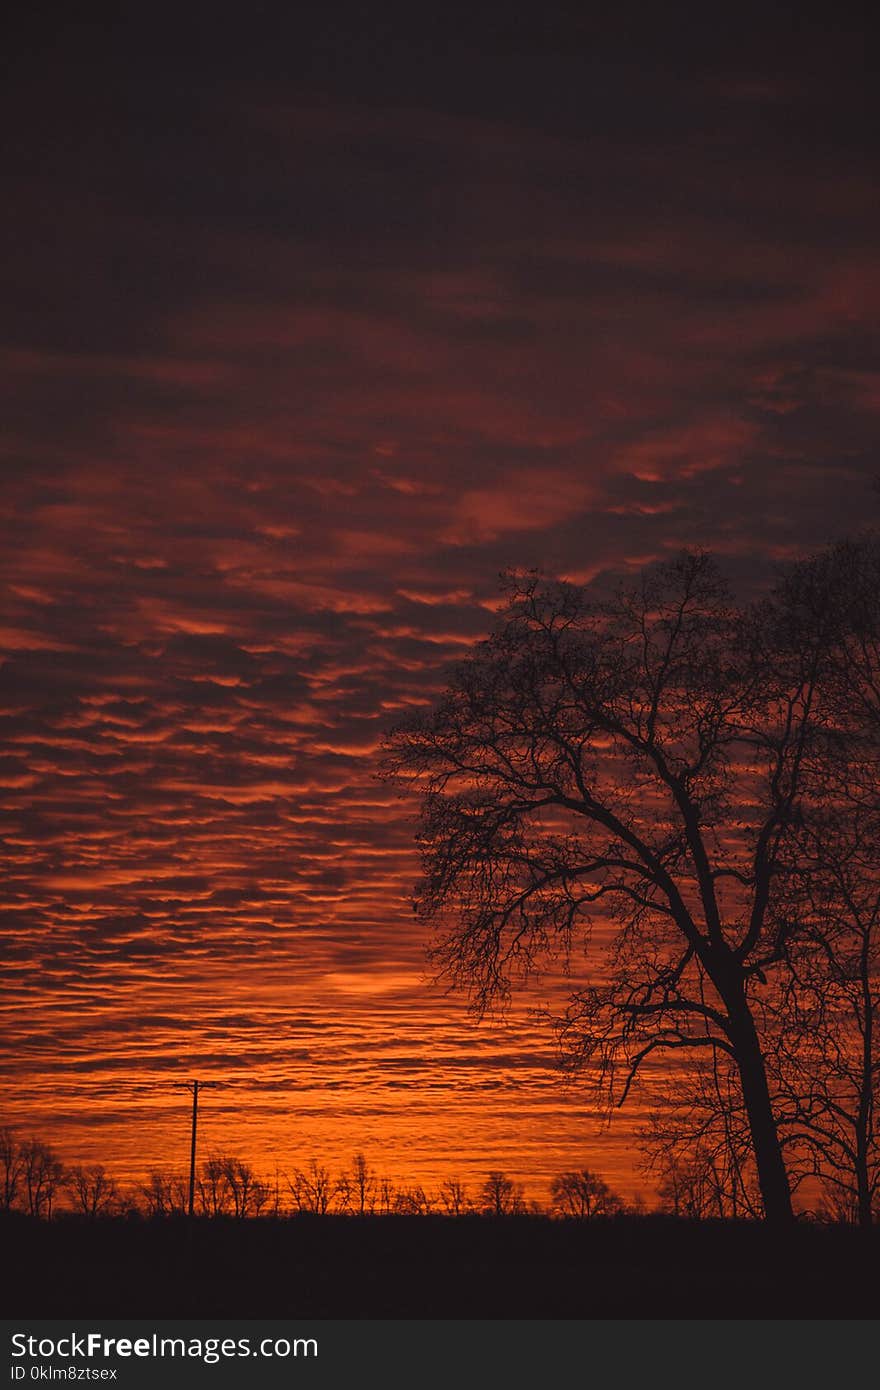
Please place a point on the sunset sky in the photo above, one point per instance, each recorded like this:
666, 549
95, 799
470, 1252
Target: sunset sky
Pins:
309, 329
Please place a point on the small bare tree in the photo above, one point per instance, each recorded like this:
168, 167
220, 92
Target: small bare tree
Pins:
387, 1196
92, 1190
247, 1192
215, 1197
413, 1201
11, 1169
165, 1194
314, 1189
363, 1187
583, 1194
43, 1176
454, 1197
501, 1196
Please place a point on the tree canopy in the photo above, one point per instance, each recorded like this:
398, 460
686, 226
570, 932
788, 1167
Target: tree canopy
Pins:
647, 762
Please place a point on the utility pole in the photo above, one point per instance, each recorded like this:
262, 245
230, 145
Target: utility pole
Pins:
192, 1151
195, 1087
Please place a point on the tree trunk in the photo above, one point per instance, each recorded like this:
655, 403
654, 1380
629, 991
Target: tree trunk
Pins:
772, 1174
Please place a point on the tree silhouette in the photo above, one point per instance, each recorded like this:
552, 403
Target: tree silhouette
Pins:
248, 1193
829, 1034
11, 1168
165, 1194
454, 1197
820, 1024
228, 1186
639, 760
698, 1144
215, 1198
363, 1186
583, 1194
386, 1196
93, 1191
827, 1060
501, 1196
691, 1187
314, 1189
42, 1176
413, 1201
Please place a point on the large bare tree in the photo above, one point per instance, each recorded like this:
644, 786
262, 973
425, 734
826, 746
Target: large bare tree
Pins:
635, 764
829, 1054
828, 1060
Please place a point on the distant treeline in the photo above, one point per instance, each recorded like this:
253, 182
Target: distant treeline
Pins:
35, 1181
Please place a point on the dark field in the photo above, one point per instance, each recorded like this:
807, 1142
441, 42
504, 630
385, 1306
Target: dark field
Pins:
435, 1267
